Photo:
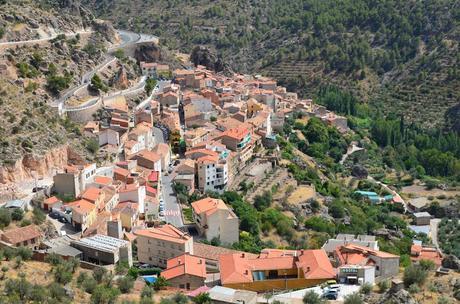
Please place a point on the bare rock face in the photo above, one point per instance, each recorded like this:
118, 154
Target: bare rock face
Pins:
121, 79
148, 53
106, 29
41, 164
203, 56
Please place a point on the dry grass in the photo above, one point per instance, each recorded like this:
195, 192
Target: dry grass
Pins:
301, 194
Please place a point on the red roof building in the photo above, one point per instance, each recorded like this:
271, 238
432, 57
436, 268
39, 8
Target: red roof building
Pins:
185, 272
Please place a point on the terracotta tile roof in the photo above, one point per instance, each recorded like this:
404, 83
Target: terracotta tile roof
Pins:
91, 194
315, 264
185, 264
127, 207
150, 191
208, 206
148, 155
236, 133
208, 159
210, 252
359, 255
426, 253
129, 188
153, 176
103, 180
166, 232
51, 200
121, 171
238, 268
82, 206
161, 149
21, 234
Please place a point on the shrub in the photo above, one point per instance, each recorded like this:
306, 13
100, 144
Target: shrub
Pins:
38, 217
89, 284
24, 252
147, 292
383, 286
413, 289
353, 298
103, 294
5, 218
414, 274
366, 288
99, 274
54, 259
427, 264
312, 297
125, 284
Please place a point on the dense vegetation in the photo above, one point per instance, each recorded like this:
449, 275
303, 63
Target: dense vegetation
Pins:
449, 236
412, 45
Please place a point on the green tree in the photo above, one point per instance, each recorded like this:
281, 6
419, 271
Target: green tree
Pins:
150, 84
104, 295
17, 214
160, 283
262, 202
97, 84
202, 298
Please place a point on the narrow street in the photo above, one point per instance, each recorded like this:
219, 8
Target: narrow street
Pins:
434, 223
173, 212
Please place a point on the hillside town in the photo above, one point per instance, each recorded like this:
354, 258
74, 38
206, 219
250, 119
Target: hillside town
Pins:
197, 137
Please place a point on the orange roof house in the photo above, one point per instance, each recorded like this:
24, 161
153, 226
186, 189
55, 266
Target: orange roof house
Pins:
275, 269
208, 205
28, 236
185, 271
418, 252
51, 202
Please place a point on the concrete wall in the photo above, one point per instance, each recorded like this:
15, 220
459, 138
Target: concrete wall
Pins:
66, 184
271, 285
182, 281
83, 113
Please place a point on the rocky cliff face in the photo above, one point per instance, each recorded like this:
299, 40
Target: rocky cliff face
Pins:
42, 165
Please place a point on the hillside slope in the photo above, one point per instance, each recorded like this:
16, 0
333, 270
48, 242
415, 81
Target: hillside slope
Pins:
401, 53
34, 74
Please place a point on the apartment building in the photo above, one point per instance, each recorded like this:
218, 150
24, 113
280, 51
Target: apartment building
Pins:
212, 173
215, 220
156, 245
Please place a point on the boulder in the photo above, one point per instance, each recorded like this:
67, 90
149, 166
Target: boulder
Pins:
359, 171
147, 53
451, 262
399, 297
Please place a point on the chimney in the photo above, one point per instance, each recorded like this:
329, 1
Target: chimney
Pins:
308, 269
246, 272
200, 261
242, 255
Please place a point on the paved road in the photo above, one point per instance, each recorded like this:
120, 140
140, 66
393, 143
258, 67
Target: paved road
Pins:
352, 149
173, 211
34, 41
434, 232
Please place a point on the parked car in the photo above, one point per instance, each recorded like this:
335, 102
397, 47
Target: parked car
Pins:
331, 295
62, 220
54, 215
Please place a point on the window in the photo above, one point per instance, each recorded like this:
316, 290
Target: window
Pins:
181, 286
150, 259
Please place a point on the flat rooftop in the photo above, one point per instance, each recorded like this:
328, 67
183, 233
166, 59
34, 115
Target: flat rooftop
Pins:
102, 243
